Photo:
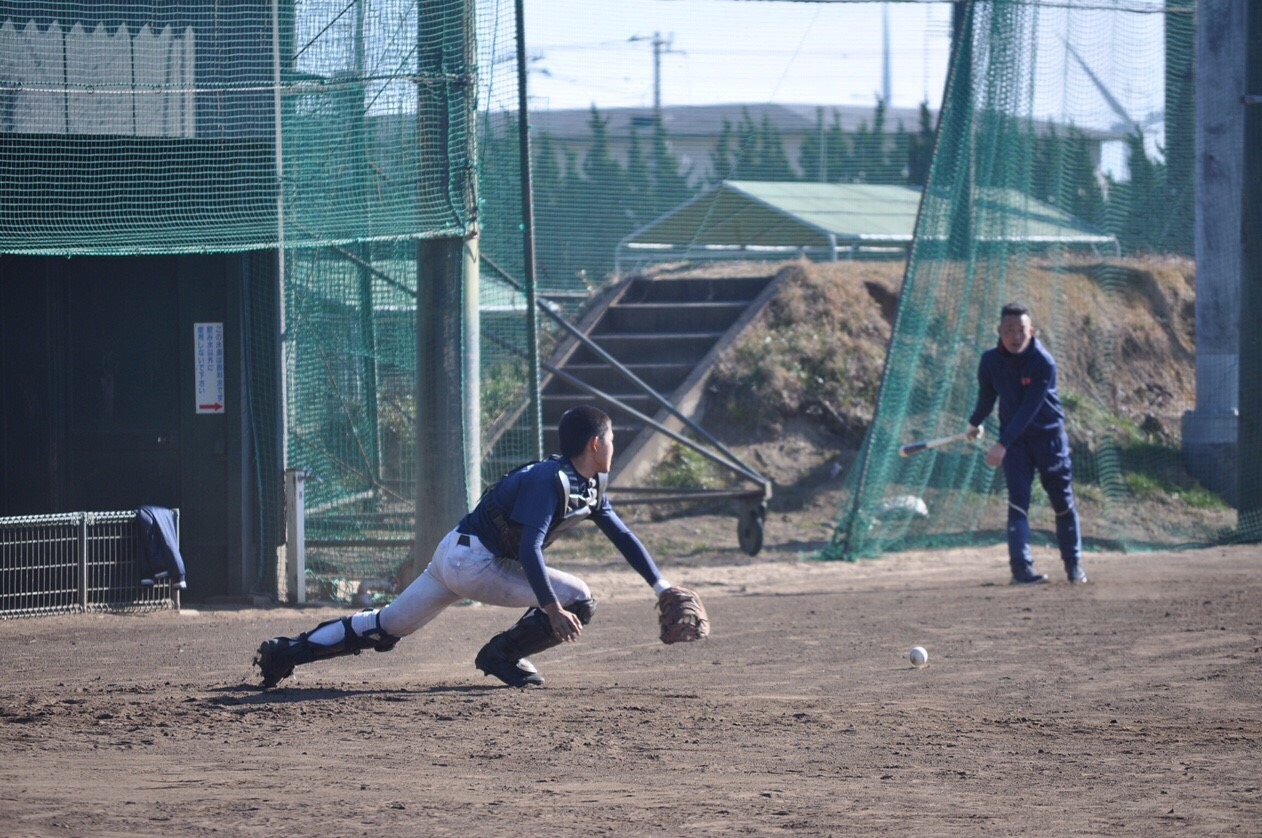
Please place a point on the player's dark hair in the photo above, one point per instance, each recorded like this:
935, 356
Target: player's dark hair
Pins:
1013, 310
578, 426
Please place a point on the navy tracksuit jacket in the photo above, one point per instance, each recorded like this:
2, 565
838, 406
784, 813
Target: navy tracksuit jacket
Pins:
1032, 429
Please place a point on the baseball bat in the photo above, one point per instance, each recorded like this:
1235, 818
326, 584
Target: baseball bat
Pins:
913, 448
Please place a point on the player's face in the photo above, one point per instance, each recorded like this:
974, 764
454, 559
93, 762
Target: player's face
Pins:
1016, 332
604, 450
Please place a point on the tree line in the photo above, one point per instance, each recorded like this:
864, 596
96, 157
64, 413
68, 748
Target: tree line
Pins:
583, 206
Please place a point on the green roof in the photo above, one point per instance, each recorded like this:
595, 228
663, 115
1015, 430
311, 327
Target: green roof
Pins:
754, 216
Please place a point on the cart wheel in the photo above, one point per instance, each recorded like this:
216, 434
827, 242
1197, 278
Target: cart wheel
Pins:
749, 529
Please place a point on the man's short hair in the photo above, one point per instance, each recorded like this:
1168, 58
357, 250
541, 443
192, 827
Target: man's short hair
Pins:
1013, 310
578, 426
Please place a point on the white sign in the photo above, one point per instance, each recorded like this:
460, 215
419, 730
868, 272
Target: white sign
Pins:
208, 366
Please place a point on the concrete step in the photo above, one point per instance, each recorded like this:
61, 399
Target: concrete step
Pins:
553, 405
650, 347
663, 378
677, 317
695, 290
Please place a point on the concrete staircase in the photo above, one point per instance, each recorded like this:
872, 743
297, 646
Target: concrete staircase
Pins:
668, 332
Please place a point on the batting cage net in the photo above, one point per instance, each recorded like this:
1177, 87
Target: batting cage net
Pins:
1042, 153
324, 137
1027, 81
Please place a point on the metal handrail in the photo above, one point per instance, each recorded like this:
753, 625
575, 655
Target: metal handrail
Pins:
732, 462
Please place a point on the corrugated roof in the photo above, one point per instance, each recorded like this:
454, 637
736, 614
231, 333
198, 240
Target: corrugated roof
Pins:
767, 214
787, 214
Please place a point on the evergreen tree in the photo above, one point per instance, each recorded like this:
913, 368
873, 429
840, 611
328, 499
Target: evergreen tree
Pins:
1045, 168
863, 162
639, 182
1180, 129
896, 156
838, 153
600, 167
773, 163
920, 149
881, 168
500, 210
722, 164
1143, 210
747, 148
550, 207
545, 170
811, 157
1086, 199
599, 195
670, 185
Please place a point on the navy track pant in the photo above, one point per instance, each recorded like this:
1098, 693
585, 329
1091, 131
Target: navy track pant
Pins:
1047, 454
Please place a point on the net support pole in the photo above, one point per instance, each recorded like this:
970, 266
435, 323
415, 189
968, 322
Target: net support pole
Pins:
296, 533
446, 282
279, 153
1249, 444
367, 306
1209, 432
528, 238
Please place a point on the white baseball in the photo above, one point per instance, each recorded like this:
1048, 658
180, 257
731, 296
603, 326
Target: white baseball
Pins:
918, 656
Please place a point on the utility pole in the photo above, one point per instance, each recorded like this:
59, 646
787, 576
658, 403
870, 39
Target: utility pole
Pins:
660, 46
1249, 445
886, 87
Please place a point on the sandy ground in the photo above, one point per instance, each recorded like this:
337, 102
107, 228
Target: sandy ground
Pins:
1128, 706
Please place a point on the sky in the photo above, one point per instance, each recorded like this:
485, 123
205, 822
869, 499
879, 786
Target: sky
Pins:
731, 51
832, 53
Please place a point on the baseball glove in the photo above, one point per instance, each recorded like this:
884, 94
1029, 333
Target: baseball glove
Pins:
681, 616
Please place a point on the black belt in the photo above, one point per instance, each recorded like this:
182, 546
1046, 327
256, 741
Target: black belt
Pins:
463, 541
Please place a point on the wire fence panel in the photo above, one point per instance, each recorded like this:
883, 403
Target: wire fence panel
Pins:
76, 562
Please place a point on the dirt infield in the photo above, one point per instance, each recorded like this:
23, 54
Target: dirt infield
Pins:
1130, 706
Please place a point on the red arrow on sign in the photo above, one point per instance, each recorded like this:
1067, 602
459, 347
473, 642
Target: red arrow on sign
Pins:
215, 406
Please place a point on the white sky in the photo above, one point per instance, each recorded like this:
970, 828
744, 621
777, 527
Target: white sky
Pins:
728, 51
831, 53
733, 51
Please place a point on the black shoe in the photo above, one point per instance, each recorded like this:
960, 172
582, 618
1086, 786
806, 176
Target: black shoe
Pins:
515, 673
1077, 576
1031, 579
273, 662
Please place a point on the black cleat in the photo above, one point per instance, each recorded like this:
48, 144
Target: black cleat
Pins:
273, 662
1031, 579
515, 673
1077, 576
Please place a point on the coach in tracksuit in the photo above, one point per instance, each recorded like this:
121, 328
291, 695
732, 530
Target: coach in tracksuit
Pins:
1022, 374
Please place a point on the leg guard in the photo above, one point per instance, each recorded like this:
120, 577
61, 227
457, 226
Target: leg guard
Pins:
276, 658
583, 609
504, 655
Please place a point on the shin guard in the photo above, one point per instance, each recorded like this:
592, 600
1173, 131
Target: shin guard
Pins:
504, 656
276, 658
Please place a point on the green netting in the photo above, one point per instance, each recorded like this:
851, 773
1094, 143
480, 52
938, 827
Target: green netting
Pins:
136, 127
325, 138
972, 254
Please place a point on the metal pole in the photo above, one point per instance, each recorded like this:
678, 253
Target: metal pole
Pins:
83, 561
277, 127
296, 532
528, 238
445, 112
1249, 443
823, 146
471, 372
367, 306
657, 74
